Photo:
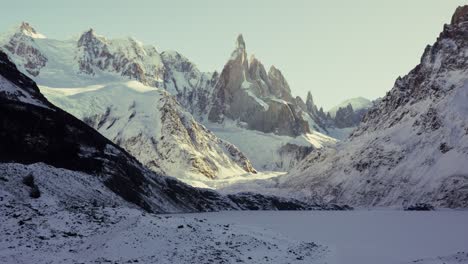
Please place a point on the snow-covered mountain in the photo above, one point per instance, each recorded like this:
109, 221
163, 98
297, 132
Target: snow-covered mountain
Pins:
89, 77
412, 147
44, 148
152, 126
115, 84
35, 131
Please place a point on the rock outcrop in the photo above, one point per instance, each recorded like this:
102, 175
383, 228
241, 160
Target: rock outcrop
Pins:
245, 92
126, 57
460, 15
22, 45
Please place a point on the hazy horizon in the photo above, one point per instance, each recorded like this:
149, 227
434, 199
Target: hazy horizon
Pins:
337, 50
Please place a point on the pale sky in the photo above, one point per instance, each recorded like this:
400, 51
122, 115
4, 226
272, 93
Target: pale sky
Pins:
335, 49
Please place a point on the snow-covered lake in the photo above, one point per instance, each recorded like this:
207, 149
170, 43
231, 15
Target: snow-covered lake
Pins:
364, 237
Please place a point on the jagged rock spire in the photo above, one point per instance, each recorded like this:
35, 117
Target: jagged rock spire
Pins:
311, 107
460, 15
86, 37
279, 86
240, 44
309, 98
28, 30
27, 27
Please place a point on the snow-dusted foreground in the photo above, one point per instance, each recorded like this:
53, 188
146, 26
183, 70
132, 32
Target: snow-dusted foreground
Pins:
47, 231
367, 237
82, 233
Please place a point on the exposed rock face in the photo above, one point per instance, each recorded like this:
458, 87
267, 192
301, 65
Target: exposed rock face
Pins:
279, 86
22, 45
192, 88
345, 117
460, 15
181, 128
412, 146
281, 118
311, 107
153, 127
340, 117
247, 93
127, 57
10, 78
318, 115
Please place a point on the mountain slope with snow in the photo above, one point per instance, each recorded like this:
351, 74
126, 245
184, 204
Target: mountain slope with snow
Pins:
76, 219
38, 139
412, 147
153, 127
89, 78
117, 85
32, 133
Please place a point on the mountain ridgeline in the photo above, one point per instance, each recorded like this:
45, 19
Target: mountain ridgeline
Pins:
412, 146
244, 91
39, 140
158, 105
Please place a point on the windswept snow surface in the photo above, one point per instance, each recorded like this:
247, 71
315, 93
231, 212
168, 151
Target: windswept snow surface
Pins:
368, 237
77, 219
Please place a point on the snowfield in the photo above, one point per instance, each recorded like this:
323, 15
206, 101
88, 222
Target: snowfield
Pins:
264, 149
367, 236
85, 233
48, 230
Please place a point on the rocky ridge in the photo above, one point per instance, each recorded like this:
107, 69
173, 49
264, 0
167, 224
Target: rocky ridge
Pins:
411, 146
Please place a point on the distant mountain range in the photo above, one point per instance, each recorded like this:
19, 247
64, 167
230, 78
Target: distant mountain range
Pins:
158, 105
46, 150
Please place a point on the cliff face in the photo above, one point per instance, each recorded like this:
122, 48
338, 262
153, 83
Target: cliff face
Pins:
246, 92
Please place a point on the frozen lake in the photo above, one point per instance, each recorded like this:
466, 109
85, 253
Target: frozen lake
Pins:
364, 237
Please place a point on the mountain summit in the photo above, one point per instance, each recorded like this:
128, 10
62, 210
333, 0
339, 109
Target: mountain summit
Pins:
460, 15
28, 30
240, 44
412, 146
263, 102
